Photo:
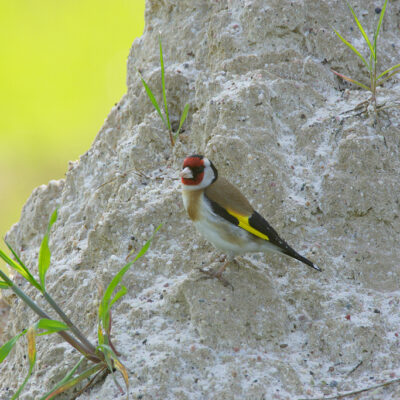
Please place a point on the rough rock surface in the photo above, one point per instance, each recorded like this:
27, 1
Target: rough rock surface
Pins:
268, 111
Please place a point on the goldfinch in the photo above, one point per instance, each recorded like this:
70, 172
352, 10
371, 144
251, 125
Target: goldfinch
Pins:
225, 217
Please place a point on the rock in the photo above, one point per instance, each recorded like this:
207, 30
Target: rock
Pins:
267, 110
4, 312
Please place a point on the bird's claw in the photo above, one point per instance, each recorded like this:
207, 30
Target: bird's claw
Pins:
211, 274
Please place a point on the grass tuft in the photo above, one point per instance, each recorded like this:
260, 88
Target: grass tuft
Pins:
166, 120
104, 356
371, 65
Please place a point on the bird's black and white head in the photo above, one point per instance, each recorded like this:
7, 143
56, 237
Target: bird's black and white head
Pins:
198, 172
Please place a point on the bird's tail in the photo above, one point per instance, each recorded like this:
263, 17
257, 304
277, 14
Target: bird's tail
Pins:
291, 253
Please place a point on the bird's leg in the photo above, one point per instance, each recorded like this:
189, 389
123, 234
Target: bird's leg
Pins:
217, 274
222, 258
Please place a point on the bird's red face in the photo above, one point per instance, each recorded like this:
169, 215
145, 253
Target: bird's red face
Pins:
192, 172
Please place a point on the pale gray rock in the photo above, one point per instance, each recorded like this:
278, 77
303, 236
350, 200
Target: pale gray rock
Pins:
267, 110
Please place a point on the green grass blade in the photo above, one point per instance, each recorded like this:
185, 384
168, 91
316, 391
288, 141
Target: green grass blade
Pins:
106, 313
66, 378
89, 347
111, 358
146, 245
16, 395
86, 350
389, 70
4, 285
104, 305
361, 29
118, 295
7, 347
32, 359
379, 25
74, 381
21, 294
153, 100
108, 352
21, 270
15, 254
163, 86
183, 118
346, 78
27, 300
50, 326
352, 48
19, 260
44, 252
382, 81
370, 69
105, 348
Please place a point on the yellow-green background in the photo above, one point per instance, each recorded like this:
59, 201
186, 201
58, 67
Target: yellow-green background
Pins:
62, 68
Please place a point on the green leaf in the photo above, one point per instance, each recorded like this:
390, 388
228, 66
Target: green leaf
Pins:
108, 353
50, 326
122, 292
362, 31
346, 78
382, 81
104, 305
7, 347
66, 378
106, 349
183, 118
370, 69
71, 382
106, 320
106, 300
21, 270
163, 85
23, 266
111, 361
389, 70
352, 48
379, 25
4, 285
32, 359
145, 247
44, 252
152, 99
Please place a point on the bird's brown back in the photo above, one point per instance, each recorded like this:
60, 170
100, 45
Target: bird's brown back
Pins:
228, 196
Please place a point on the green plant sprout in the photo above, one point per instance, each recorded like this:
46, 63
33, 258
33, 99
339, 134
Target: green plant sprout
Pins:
375, 79
104, 356
172, 136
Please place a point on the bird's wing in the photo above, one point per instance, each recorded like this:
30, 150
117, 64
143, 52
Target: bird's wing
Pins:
258, 226
229, 203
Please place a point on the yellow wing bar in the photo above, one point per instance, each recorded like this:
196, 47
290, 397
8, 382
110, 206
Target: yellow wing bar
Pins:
244, 223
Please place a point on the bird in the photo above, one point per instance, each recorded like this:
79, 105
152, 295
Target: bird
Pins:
223, 215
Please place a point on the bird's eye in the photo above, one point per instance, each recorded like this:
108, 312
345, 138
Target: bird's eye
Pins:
197, 170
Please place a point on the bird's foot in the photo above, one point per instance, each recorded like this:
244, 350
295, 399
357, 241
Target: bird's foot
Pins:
211, 274
222, 258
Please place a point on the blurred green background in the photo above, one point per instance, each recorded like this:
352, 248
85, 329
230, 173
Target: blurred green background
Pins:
62, 68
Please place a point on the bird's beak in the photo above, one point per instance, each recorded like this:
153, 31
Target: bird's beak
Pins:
186, 173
